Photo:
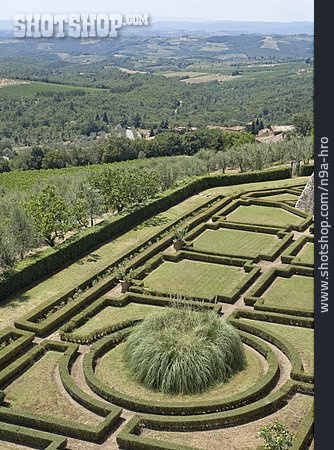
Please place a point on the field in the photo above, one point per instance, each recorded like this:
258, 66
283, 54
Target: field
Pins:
31, 88
64, 382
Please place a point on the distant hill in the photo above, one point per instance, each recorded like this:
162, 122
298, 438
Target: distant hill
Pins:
230, 26
224, 26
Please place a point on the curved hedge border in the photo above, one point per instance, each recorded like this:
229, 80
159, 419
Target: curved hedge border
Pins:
27, 436
245, 414
44, 263
102, 303
258, 390
252, 273
297, 370
130, 437
284, 239
254, 296
55, 425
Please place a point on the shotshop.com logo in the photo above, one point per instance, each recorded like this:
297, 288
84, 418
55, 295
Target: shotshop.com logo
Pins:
74, 25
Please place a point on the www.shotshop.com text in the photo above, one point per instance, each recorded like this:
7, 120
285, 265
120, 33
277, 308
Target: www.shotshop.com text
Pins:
325, 226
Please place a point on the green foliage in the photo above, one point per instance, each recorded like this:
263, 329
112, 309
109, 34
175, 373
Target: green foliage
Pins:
306, 170
183, 351
50, 214
180, 234
122, 189
303, 124
276, 437
35, 267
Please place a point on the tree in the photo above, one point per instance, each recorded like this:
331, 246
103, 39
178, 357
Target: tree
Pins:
276, 437
37, 155
137, 121
7, 249
22, 230
51, 215
93, 202
302, 124
105, 118
4, 166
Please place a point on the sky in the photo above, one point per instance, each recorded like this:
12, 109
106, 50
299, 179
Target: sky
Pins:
241, 10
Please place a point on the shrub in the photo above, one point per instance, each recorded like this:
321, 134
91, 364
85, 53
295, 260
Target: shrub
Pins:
276, 437
184, 352
306, 170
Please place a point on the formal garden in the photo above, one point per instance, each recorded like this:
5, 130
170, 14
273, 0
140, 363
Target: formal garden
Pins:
185, 325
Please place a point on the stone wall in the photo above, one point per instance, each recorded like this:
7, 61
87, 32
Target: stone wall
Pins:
306, 200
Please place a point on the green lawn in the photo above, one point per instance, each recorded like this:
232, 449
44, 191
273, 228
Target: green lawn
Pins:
264, 215
114, 315
194, 279
112, 371
36, 391
235, 242
306, 255
237, 437
279, 197
300, 338
76, 273
292, 293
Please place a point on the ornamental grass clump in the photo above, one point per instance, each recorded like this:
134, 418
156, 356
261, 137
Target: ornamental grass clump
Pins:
182, 351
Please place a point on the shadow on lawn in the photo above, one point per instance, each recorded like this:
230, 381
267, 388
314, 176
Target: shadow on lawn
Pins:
154, 222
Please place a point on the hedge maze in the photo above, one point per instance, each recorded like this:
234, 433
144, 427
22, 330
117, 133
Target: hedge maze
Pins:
247, 256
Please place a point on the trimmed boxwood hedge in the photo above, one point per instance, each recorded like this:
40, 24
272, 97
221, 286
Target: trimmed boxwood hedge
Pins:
238, 416
288, 257
21, 341
130, 436
297, 371
254, 296
252, 273
306, 170
269, 192
223, 214
32, 269
27, 436
55, 425
304, 322
272, 254
96, 286
304, 435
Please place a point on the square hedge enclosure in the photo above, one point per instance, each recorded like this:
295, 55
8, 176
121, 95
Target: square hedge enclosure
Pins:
238, 241
196, 276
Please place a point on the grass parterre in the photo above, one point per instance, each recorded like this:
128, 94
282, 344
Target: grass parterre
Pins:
249, 275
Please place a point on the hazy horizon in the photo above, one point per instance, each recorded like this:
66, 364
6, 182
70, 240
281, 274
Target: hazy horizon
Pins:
176, 10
